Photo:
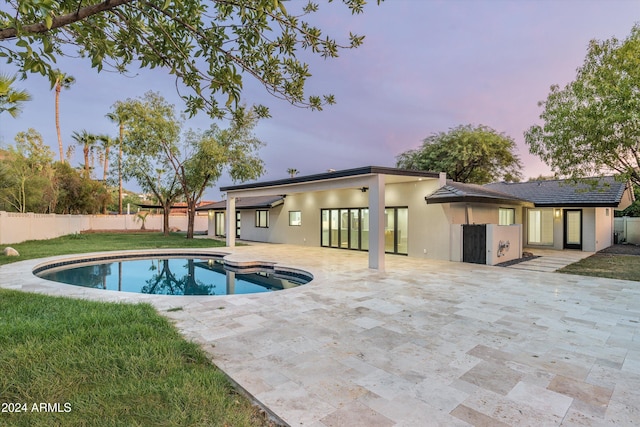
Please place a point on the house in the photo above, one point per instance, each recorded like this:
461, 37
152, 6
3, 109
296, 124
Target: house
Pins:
383, 211
570, 216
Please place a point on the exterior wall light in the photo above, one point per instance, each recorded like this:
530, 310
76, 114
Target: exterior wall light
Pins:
557, 213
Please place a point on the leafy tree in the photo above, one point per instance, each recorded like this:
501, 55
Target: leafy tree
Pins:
208, 45
209, 153
472, 154
10, 98
592, 125
62, 81
152, 143
27, 174
151, 129
77, 194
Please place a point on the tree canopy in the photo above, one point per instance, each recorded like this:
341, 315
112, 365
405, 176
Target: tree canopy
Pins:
209, 45
172, 165
592, 125
467, 153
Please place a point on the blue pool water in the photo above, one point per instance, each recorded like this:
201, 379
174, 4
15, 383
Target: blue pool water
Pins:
172, 276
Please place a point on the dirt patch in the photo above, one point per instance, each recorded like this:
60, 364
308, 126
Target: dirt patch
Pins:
626, 249
135, 230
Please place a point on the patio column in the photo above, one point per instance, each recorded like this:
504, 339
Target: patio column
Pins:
376, 222
230, 220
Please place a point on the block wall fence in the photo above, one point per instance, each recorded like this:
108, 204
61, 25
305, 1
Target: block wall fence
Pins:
627, 229
20, 227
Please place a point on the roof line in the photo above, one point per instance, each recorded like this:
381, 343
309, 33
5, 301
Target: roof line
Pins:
367, 170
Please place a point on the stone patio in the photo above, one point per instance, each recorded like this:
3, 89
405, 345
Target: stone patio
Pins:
424, 343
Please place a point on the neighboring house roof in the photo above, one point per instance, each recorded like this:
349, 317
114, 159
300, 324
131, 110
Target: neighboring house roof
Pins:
258, 202
562, 193
179, 207
367, 170
454, 192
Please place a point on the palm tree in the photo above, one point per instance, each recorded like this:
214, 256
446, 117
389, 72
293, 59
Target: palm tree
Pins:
106, 143
293, 172
88, 143
10, 99
119, 117
63, 81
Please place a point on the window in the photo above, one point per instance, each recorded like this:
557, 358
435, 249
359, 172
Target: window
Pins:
540, 227
295, 218
262, 219
219, 224
506, 216
348, 228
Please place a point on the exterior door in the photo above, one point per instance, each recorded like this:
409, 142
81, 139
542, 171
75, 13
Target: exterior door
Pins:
474, 243
573, 229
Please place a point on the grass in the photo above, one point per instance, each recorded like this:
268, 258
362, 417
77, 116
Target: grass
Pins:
95, 242
625, 267
107, 364
111, 364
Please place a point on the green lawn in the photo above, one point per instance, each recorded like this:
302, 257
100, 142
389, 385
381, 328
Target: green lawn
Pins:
94, 242
613, 266
106, 364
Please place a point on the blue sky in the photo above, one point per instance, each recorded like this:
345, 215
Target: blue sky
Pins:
425, 66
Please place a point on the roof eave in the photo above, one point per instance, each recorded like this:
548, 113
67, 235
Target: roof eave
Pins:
477, 199
368, 170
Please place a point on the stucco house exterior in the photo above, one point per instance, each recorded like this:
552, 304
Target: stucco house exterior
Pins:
383, 211
567, 215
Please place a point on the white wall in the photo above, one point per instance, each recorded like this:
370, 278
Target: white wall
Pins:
432, 231
604, 229
597, 228
588, 229
18, 227
504, 243
628, 229
428, 224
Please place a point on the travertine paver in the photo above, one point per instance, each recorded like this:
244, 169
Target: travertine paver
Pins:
424, 343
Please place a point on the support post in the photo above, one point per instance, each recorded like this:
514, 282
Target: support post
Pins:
376, 222
230, 221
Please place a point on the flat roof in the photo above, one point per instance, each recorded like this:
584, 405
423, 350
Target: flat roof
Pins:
367, 170
245, 203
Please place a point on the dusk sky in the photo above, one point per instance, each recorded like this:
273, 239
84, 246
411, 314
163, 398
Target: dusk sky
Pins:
426, 66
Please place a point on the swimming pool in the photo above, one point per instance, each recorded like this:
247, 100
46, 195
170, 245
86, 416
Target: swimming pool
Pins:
172, 274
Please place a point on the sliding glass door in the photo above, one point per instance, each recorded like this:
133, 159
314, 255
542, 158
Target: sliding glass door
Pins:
348, 228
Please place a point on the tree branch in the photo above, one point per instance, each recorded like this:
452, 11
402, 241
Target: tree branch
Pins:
63, 20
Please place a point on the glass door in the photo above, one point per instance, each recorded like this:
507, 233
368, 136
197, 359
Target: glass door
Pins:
354, 229
573, 229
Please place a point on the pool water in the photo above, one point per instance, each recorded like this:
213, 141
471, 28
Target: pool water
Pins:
172, 276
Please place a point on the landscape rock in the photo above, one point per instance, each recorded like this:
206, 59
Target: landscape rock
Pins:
9, 251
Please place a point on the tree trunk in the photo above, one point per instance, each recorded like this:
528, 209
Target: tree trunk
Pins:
106, 164
58, 88
166, 211
120, 169
85, 151
191, 216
